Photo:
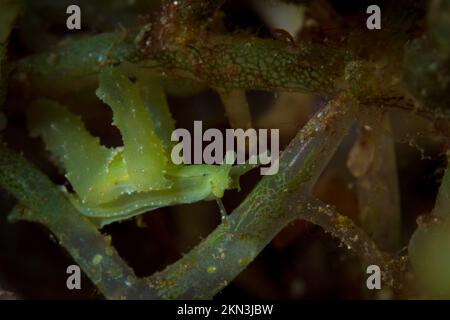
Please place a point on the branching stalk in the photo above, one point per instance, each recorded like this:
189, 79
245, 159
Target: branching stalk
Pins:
227, 250
46, 204
221, 61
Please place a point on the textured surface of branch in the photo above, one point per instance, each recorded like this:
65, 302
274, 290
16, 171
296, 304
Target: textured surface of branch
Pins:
9, 10
245, 62
73, 65
209, 267
222, 256
44, 203
221, 61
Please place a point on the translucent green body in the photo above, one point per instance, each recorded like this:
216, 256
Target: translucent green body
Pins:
113, 184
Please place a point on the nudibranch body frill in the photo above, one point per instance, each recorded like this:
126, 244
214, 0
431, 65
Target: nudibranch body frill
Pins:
113, 184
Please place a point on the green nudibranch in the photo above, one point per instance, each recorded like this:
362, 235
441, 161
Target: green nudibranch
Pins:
113, 184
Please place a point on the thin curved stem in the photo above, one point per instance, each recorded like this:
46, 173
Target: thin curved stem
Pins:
218, 259
227, 251
43, 202
210, 266
222, 61
344, 229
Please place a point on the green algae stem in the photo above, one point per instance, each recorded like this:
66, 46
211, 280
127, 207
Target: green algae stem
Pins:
249, 63
270, 207
184, 48
429, 246
237, 62
221, 61
226, 251
45, 203
429, 252
240, 238
74, 64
